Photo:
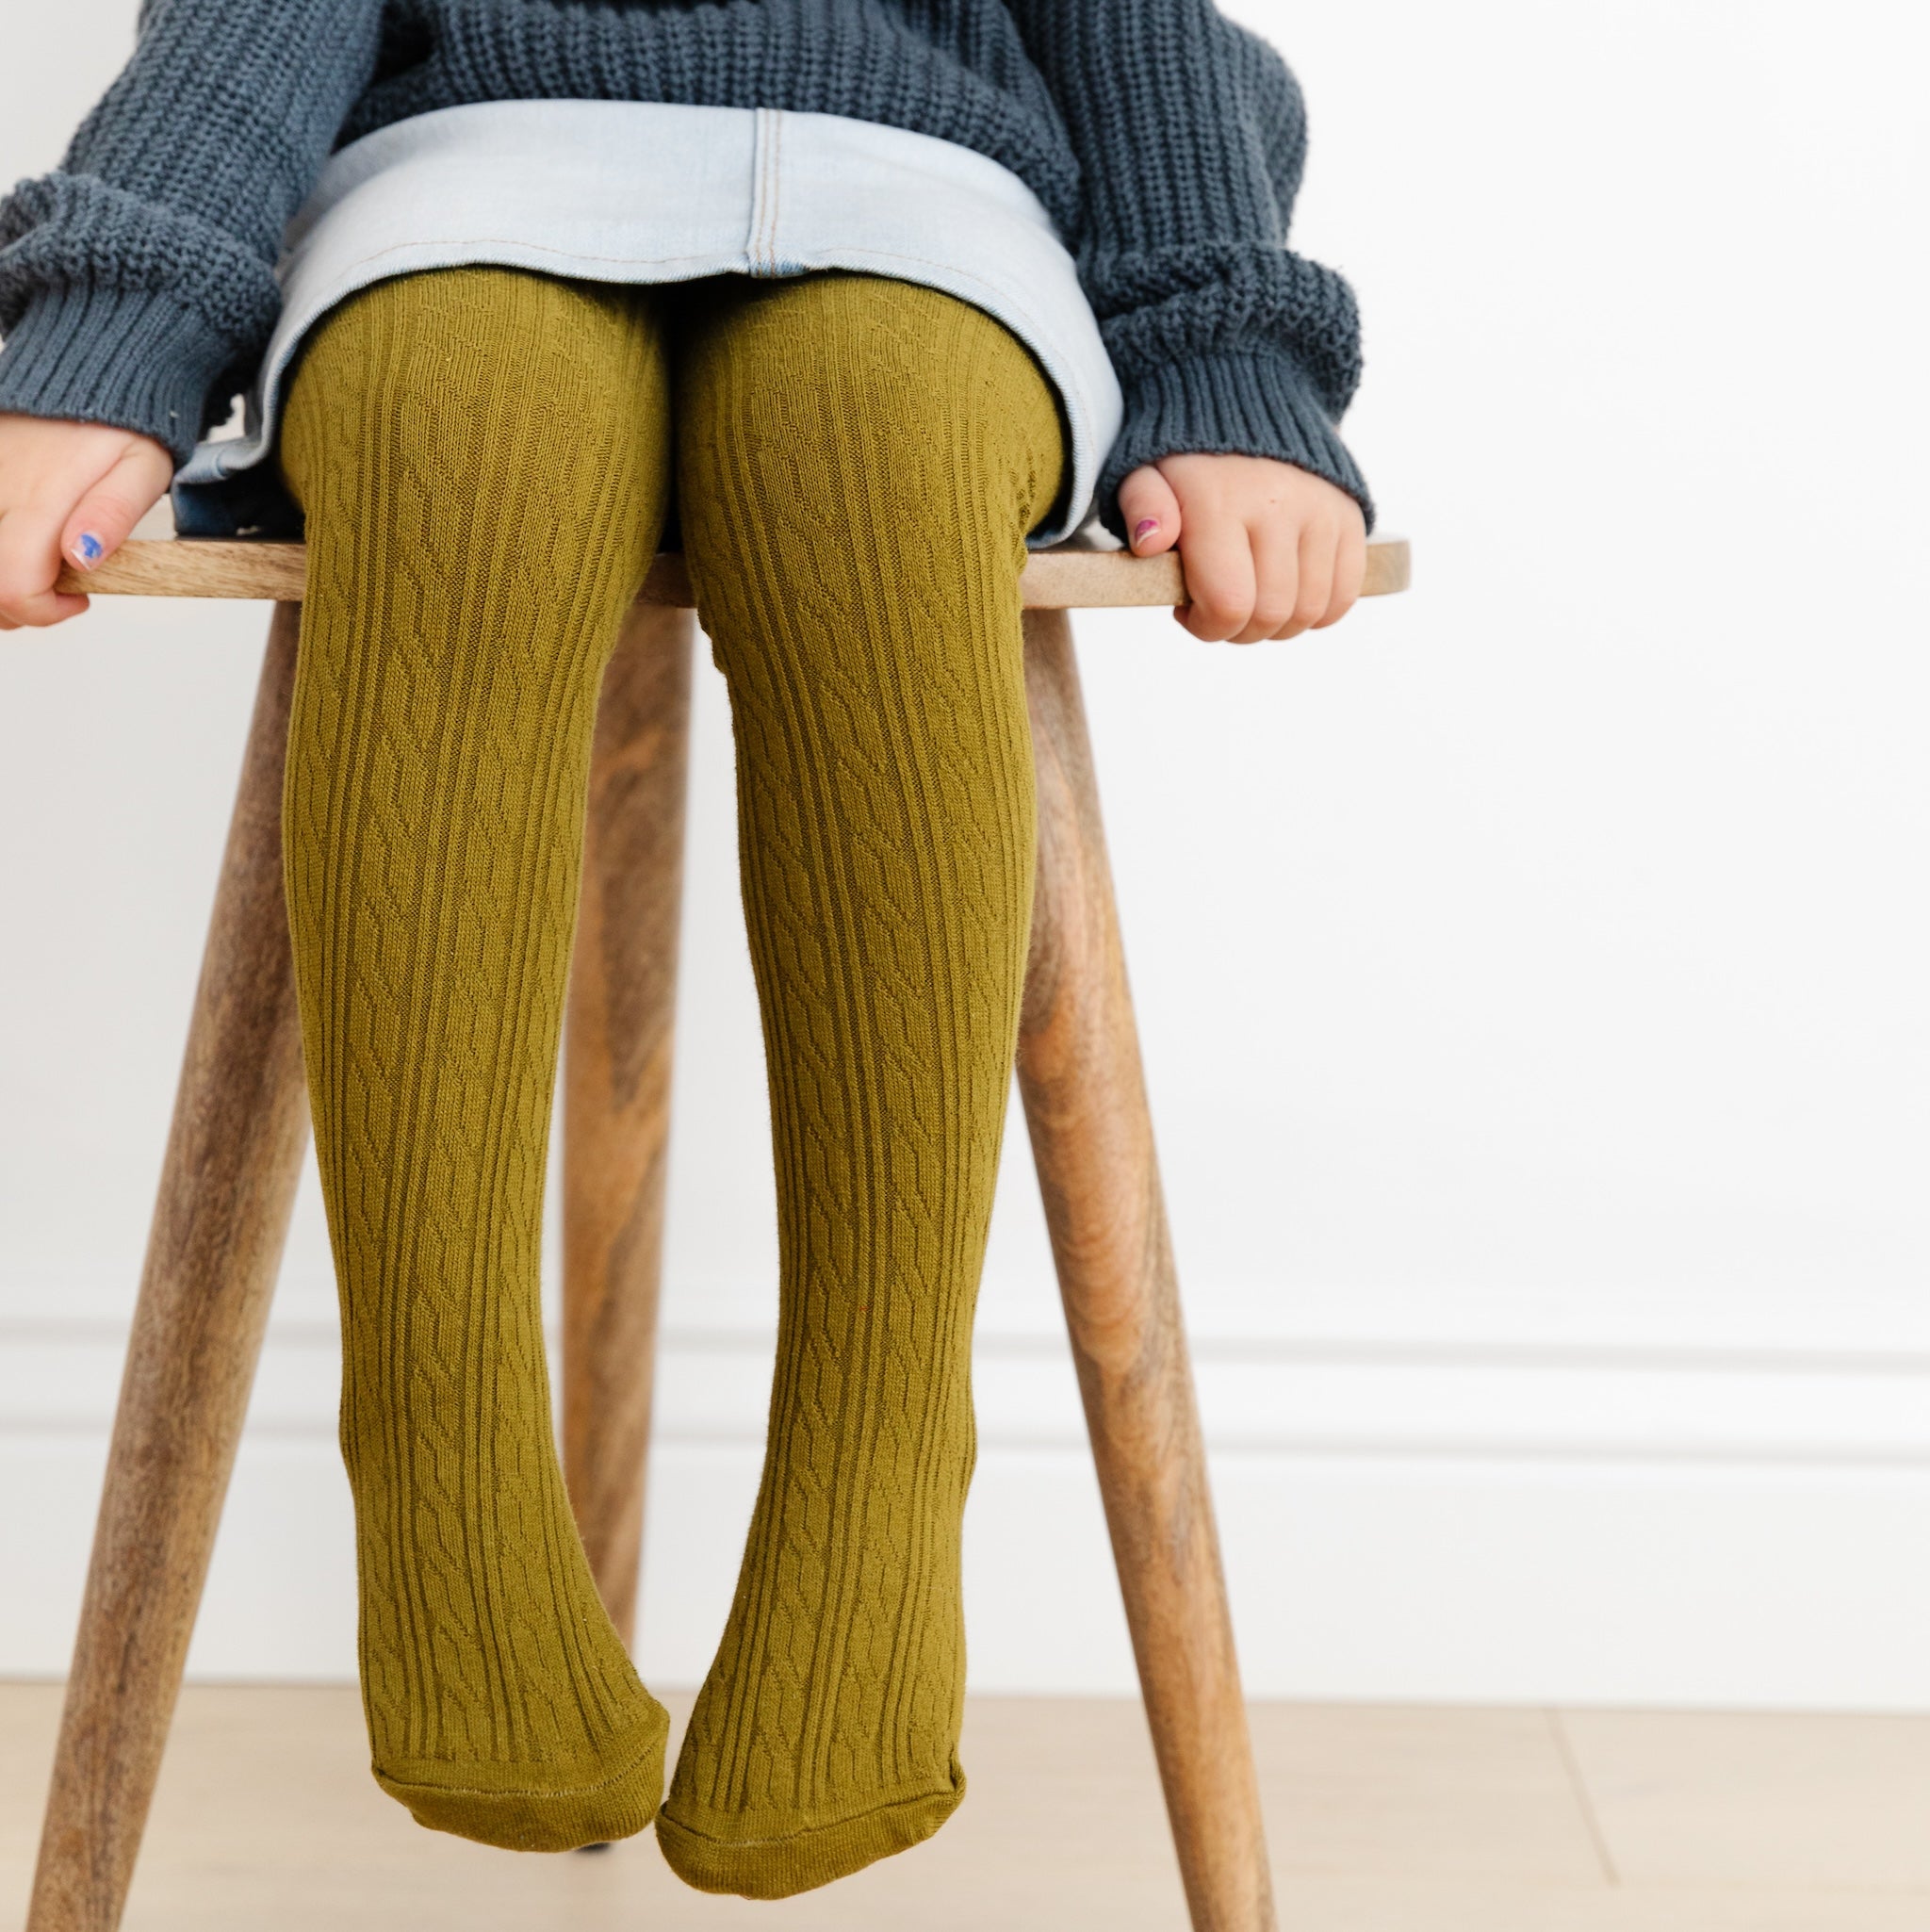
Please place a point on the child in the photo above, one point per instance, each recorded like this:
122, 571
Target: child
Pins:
868, 294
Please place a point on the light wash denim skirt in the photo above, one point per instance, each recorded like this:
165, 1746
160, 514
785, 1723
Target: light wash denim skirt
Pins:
647, 192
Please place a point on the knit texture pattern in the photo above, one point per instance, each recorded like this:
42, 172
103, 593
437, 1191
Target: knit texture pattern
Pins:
135, 284
859, 465
482, 457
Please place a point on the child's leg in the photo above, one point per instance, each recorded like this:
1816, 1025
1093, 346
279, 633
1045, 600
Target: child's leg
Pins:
482, 457
859, 464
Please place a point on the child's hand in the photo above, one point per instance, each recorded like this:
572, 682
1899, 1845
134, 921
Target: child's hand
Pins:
69, 492
1269, 550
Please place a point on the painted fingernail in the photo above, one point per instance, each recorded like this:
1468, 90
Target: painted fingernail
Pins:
1144, 528
89, 550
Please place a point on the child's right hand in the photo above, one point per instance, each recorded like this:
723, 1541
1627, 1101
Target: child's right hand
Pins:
70, 492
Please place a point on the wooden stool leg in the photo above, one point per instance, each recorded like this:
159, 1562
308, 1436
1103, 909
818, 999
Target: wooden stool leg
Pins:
227, 1188
616, 1091
1084, 1097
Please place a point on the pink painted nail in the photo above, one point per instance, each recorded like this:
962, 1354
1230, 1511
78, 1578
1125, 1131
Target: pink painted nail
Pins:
1144, 528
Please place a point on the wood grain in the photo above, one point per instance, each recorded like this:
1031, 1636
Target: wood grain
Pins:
220, 1219
1085, 1098
616, 1091
1069, 577
178, 567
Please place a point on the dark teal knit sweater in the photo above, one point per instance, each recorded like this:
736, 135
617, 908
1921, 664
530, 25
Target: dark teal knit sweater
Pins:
137, 283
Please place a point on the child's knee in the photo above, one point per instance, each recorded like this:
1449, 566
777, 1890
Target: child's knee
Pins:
457, 372
895, 405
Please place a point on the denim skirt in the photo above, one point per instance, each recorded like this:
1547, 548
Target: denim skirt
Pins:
647, 192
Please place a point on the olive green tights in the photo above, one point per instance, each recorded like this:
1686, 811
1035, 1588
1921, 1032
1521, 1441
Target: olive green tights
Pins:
485, 458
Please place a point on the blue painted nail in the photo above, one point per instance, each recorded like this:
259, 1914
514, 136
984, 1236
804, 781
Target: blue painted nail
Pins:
89, 548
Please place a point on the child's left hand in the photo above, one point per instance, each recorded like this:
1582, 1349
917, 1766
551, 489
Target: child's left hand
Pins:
1269, 550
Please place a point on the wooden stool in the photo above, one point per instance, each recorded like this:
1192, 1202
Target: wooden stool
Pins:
234, 1153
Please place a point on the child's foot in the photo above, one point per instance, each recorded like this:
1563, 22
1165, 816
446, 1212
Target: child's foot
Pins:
773, 1852
826, 1736
560, 1805
502, 1705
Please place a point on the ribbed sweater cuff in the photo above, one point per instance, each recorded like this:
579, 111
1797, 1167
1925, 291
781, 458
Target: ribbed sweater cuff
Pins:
135, 358
1233, 403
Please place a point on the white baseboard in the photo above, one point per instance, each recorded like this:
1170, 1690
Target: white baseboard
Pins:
1467, 1521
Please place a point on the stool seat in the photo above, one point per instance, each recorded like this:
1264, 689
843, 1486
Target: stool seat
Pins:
1068, 577
240, 1127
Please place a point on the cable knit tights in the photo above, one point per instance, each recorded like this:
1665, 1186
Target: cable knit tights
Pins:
485, 459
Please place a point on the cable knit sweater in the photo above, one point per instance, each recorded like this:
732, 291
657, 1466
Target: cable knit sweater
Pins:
137, 283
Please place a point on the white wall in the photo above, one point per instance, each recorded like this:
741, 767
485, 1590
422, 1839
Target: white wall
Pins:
1532, 973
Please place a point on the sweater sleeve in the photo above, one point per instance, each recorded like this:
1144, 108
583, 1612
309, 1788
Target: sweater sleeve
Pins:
1192, 134
137, 282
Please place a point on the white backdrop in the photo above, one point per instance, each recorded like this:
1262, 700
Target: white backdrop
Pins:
1532, 973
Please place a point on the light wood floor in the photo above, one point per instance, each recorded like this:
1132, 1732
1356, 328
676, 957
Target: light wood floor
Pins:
1382, 1820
